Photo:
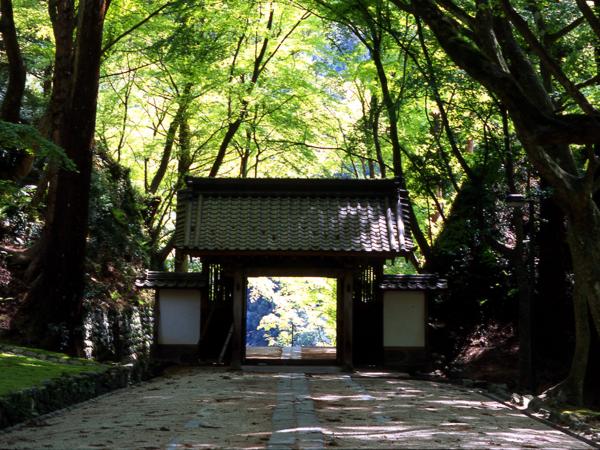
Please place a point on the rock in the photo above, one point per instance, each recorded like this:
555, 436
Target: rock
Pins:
578, 425
526, 400
535, 404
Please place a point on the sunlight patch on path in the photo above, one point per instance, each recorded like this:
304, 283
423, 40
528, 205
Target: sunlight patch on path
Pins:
360, 412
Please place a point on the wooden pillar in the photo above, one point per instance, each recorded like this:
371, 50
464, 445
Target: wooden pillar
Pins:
347, 285
204, 302
238, 313
156, 323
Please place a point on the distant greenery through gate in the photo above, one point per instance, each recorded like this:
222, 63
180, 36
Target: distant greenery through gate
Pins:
291, 311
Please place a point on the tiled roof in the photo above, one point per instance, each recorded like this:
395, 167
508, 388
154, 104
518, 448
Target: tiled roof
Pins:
293, 216
422, 282
171, 280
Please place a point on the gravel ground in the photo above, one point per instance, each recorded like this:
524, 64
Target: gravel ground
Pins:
216, 408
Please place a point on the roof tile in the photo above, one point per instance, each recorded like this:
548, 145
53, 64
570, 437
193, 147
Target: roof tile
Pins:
291, 215
421, 282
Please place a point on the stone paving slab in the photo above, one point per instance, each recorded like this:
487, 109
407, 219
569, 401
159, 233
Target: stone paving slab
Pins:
216, 408
294, 422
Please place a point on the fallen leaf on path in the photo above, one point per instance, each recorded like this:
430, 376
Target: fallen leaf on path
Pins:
203, 425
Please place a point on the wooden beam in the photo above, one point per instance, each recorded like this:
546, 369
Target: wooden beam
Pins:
358, 255
293, 272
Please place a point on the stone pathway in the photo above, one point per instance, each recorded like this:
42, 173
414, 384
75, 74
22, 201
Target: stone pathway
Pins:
294, 422
365, 412
215, 408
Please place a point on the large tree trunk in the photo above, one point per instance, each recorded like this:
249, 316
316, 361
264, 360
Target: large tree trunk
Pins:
583, 235
19, 161
54, 305
553, 310
497, 59
13, 96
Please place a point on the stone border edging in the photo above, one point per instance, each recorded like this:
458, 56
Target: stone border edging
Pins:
57, 393
41, 418
536, 416
33, 353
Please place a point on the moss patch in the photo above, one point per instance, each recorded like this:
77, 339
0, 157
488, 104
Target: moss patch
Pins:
22, 372
587, 415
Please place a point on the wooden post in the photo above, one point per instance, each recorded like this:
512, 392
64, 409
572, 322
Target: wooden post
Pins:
339, 319
156, 323
347, 284
204, 305
238, 309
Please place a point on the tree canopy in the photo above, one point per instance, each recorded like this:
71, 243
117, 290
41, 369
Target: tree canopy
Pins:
107, 105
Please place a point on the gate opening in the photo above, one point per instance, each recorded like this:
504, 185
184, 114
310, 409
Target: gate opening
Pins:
291, 319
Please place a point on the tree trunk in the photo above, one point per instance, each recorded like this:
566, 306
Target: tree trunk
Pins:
54, 304
13, 96
62, 16
180, 115
20, 161
243, 112
553, 308
229, 135
582, 234
181, 261
376, 112
390, 107
508, 72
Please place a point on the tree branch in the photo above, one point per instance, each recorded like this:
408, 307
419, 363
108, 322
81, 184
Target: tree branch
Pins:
596, 187
590, 178
552, 66
589, 15
553, 37
112, 43
281, 42
438, 100
125, 72
457, 12
590, 82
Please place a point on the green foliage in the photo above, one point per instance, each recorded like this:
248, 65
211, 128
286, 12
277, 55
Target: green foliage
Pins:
17, 137
480, 279
304, 309
15, 211
316, 110
117, 244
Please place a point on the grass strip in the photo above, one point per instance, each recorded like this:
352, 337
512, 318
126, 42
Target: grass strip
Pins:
18, 372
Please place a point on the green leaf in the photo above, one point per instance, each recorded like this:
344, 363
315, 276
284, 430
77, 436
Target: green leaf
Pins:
25, 137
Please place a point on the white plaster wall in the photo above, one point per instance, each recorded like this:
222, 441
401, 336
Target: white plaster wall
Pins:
403, 319
179, 316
